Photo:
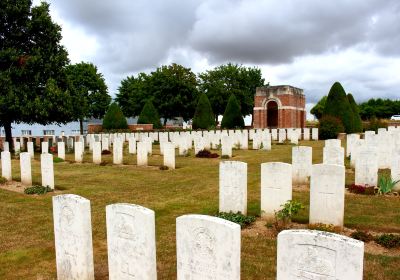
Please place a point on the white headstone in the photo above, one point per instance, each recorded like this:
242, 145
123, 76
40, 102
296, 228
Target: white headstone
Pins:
73, 237
311, 254
274, 134
31, 150
26, 170
226, 145
366, 169
96, 152
142, 154
118, 146
61, 150
105, 144
6, 165
207, 248
276, 186
327, 189
301, 164
6, 147
395, 169
233, 187
333, 143
132, 145
333, 155
306, 134
47, 170
17, 147
169, 155
281, 135
314, 133
45, 147
79, 152
131, 242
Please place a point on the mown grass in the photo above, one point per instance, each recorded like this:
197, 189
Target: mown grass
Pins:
26, 226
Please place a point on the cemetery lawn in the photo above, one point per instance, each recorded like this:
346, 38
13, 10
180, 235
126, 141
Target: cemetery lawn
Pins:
26, 223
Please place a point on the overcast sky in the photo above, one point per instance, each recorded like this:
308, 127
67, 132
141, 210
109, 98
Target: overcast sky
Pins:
304, 43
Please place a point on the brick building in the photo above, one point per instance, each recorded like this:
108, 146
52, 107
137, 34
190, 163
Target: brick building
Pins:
279, 107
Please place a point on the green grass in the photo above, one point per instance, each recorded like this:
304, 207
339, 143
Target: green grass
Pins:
26, 223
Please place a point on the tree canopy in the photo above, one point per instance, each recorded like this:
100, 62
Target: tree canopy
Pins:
32, 79
228, 79
88, 91
379, 108
357, 123
318, 109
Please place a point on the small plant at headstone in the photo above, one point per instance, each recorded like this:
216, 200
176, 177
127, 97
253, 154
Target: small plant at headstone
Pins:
324, 227
386, 184
3, 180
362, 236
225, 157
106, 152
284, 216
239, 218
37, 190
57, 160
360, 189
206, 154
163, 167
388, 240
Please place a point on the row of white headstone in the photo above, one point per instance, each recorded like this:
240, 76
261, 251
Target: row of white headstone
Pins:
206, 247
46, 168
327, 190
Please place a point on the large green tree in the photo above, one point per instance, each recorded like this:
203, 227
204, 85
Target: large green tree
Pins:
114, 118
88, 90
203, 116
224, 80
232, 117
318, 109
379, 108
132, 94
32, 79
357, 123
149, 114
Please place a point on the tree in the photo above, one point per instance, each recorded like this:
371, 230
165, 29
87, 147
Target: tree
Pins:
88, 90
132, 94
379, 108
318, 109
337, 105
232, 116
174, 91
32, 79
358, 127
228, 79
114, 118
149, 114
203, 116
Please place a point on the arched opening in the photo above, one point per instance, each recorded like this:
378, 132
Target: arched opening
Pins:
272, 114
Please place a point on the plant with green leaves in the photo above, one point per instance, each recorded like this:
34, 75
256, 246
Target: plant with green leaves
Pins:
238, 218
149, 115
232, 116
203, 116
38, 190
114, 118
386, 184
284, 216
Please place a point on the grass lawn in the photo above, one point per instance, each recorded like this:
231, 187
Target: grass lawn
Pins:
26, 225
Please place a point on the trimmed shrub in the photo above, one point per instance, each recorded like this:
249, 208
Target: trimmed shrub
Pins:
232, 116
362, 236
206, 154
114, 118
357, 122
237, 218
203, 116
38, 190
329, 127
388, 240
149, 115
337, 105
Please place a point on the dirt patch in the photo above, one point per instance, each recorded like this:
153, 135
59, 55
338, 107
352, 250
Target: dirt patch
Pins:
17, 187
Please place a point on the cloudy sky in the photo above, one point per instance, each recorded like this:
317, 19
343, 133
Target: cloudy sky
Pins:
305, 43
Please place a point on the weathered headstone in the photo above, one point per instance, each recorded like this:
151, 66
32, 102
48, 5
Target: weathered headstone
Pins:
6, 169
333, 155
226, 146
366, 168
131, 242
31, 150
79, 152
301, 164
306, 134
169, 155
96, 152
276, 186
6, 147
327, 190
61, 150
17, 147
207, 248
333, 143
132, 145
311, 254
73, 237
26, 170
45, 147
118, 151
281, 135
47, 170
314, 133
233, 187
142, 154
395, 169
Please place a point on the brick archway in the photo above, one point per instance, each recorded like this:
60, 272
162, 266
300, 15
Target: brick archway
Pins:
272, 114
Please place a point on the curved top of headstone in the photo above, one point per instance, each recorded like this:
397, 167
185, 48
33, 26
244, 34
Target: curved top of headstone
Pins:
131, 207
233, 162
70, 197
208, 219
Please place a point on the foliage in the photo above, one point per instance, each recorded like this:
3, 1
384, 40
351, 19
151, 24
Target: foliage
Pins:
329, 127
337, 105
206, 154
379, 108
38, 190
89, 90
238, 218
357, 123
362, 236
114, 118
3, 180
149, 115
388, 240
318, 109
324, 227
223, 81
284, 216
232, 116
386, 184
203, 116
57, 160
360, 189
32, 78
163, 167
224, 157
374, 124
106, 152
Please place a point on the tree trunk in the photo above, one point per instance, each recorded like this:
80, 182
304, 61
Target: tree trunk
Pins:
165, 121
252, 119
7, 129
81, 126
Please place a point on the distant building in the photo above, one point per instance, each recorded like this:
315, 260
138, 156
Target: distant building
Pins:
279, 107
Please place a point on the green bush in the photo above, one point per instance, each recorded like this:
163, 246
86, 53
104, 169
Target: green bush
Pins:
203, 116
357, 122
114, 118
284, 216
386, 184
57, 160
3, 180
37, 190
329, 127
149, 115
337, 105
237, 218
232, 116
388, 240
362, 236
374, 124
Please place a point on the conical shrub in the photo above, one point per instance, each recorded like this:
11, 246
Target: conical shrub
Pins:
203, 116
149, 115
114, 118
232, 116
358, 127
